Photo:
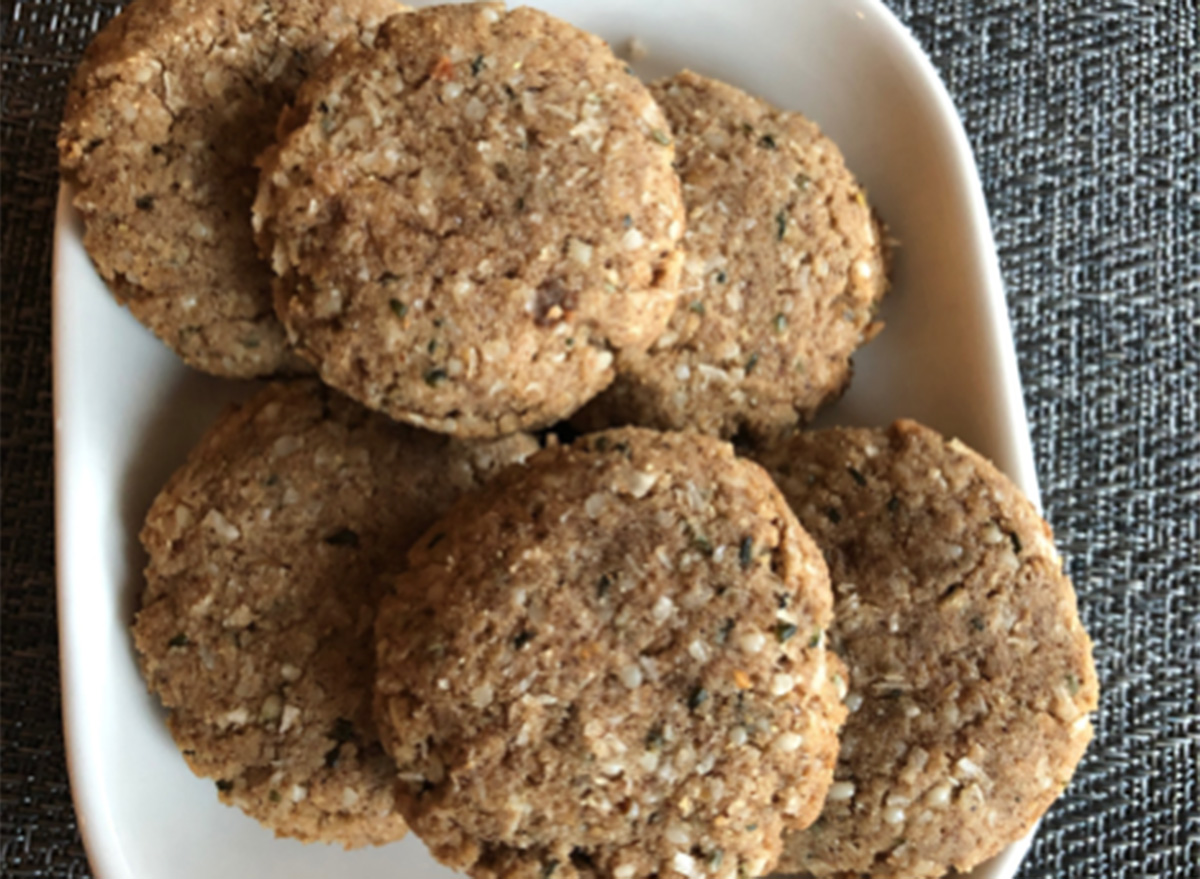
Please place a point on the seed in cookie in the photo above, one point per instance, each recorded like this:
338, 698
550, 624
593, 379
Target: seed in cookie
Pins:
266, 550
784, 267
471, 218
971, 678
173, 101
612, 664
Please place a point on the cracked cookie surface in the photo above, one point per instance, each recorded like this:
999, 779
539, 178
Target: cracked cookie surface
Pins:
265, 556
471, 217
612, 664
971, 677
173, 101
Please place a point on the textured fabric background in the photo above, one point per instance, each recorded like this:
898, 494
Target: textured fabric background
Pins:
1084, 119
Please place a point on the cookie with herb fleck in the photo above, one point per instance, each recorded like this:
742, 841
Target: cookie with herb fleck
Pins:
170, 106
471, 218
266, 550
971, 678
784, 266
612, 664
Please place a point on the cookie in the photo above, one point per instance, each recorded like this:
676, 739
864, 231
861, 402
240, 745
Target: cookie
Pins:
971, 678
612, 664
266, 551
784, 266
471, 218
170, 106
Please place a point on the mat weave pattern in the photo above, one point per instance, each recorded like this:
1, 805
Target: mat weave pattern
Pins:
1084, 117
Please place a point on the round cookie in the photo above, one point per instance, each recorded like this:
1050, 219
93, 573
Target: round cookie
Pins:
971, 678
266, 550
612, 664
471, 217
173, 101
784, 266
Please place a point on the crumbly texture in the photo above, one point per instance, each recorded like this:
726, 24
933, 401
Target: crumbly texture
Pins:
971, 678
612, 664
783, 270
170, 106
266, 555
471, 217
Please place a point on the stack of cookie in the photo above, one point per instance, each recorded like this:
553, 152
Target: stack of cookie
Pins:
376, 601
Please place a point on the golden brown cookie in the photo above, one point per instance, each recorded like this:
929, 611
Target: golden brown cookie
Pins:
471, 217
173, 101
784, 266
612, 664
971, 678
266, 550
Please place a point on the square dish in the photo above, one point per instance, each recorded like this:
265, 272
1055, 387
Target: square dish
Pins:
127, 411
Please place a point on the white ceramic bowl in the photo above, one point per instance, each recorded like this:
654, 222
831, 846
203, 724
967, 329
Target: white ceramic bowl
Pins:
127, 411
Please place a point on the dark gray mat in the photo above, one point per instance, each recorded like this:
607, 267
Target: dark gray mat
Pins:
1084, 119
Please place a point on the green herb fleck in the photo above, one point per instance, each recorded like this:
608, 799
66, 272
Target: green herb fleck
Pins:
1016, 542
721, 276
274, 796
833, 515
570, 343
548, 870
784, 632
893, 694
180, 640
628, 70
398, 308
477, 65
798, 366
779, 322
654, 738
702, 543
723, 632
714, 860
814, 639
345, 537
272, 479
252, 342
746, 552
1072, 683
224, 785
523, 638
660, 136
431, 347
697, 307
751, 827
803, 181
751, 363
978, 624
781, 598
856, 476
747, 128
780, 224
145, 203
435, 377
603, 585
697, 698
767, 142
627, 221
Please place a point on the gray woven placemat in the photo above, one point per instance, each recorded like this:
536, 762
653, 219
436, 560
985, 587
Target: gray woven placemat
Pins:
1084, 120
